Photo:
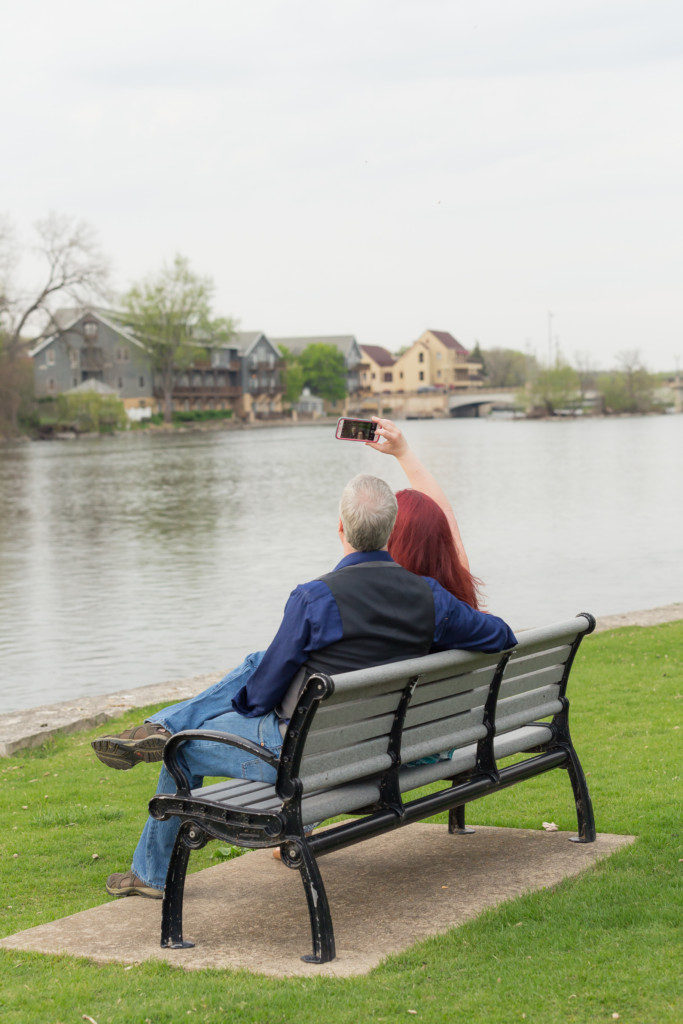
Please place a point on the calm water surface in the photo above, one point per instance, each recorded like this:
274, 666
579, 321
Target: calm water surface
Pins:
136, 559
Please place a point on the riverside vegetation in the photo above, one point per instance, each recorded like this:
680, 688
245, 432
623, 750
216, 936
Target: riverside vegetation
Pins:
596, 946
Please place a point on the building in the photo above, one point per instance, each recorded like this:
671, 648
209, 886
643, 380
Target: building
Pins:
88, 345
376, 370
243, 374
309, 406
436, 360
261, 374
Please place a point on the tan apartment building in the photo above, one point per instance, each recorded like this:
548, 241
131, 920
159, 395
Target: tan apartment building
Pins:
436, 359
376, 371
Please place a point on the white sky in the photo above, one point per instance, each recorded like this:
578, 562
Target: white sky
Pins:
374, 167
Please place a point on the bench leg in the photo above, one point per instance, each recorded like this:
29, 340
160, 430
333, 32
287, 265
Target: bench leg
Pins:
298, 855
172, 907
584, 807
456, 822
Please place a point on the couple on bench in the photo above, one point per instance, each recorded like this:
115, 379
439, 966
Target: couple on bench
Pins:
403, 589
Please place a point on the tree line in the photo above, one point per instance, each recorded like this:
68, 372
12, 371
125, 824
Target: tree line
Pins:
627, 387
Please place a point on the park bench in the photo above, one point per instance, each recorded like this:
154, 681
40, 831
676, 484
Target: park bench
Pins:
351, 747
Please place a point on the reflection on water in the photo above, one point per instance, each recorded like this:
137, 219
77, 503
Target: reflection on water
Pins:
134, 559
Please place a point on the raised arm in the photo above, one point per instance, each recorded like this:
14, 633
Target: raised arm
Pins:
394, 443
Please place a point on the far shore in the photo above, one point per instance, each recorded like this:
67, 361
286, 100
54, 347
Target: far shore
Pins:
218, 426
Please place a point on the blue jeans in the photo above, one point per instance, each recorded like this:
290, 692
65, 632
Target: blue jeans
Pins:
208, 710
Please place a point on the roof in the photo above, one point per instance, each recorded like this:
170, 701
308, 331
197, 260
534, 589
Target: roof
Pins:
381, 356
65, 319
449, 341
343, 342
93, 385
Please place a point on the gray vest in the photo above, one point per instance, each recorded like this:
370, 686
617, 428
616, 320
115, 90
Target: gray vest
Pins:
387, 614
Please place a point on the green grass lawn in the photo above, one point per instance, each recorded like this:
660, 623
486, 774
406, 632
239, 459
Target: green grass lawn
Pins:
595, 946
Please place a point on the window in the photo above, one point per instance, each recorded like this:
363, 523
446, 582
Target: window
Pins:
438, 355
438, 373
120, 385
421, 359
51, 384
215, 359
141, 381
90, 330
422, 376
126, 354
75, 381
50, 357
73, 358
401, 374
388, 376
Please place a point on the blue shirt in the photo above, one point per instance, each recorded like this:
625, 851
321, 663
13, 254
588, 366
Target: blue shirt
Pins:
312, 621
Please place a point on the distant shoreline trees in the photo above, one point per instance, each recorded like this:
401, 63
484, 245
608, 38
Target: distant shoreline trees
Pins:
70, 266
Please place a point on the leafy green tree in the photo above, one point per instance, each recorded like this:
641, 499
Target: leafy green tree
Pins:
555, 388
88, 411
293, 376
324, 371
171, 314
629, 388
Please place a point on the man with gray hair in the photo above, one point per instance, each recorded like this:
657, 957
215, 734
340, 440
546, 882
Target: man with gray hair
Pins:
368, 611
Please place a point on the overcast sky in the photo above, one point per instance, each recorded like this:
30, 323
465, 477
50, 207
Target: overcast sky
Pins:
372, 168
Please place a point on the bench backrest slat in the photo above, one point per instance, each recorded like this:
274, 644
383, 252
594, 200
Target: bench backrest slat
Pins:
532, 679
349, 734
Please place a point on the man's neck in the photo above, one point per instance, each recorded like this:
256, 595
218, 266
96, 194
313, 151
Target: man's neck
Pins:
348, 550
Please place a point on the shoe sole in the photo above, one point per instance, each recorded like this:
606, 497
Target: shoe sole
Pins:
149, 894
125, 754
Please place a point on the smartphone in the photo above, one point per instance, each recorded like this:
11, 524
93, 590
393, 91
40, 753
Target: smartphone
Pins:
355, 430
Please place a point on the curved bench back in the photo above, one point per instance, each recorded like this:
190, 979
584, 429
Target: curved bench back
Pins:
535, 677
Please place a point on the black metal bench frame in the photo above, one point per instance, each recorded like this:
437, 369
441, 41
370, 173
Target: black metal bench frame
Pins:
203, 820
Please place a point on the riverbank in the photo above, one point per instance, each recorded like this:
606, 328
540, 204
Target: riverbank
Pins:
200, 427
31, 727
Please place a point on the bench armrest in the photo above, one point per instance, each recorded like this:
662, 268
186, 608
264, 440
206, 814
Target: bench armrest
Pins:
171, 755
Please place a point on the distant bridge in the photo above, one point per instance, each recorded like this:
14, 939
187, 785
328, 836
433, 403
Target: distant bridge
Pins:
472, 403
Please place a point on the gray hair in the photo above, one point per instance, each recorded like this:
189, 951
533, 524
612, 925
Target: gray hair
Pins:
368, 510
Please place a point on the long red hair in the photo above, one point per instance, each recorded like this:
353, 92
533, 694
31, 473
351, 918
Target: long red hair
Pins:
422, 542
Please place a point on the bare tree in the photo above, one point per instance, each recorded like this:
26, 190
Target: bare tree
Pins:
71, 266
587, 372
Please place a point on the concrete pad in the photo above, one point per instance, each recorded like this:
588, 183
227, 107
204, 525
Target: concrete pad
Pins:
385, 894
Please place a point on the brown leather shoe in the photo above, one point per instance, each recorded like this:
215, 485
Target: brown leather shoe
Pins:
128, 884
125, 750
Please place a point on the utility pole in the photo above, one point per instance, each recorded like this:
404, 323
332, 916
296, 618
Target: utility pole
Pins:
550, 339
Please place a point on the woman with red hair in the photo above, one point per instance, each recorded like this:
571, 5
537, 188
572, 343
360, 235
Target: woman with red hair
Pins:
426, 539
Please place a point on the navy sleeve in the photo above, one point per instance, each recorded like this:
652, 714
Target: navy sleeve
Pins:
457, 625
311, 621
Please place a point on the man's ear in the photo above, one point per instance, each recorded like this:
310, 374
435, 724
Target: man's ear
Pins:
340, 530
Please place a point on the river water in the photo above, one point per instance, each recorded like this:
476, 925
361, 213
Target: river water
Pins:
139, 558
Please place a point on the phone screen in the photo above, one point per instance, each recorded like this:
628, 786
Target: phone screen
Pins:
355, 430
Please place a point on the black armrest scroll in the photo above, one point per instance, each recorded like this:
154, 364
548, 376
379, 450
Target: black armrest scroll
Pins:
171, 755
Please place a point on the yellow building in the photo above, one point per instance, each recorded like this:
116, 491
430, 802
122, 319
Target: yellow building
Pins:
377, 369
438, 360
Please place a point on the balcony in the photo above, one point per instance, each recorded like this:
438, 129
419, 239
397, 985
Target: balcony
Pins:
191, 391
